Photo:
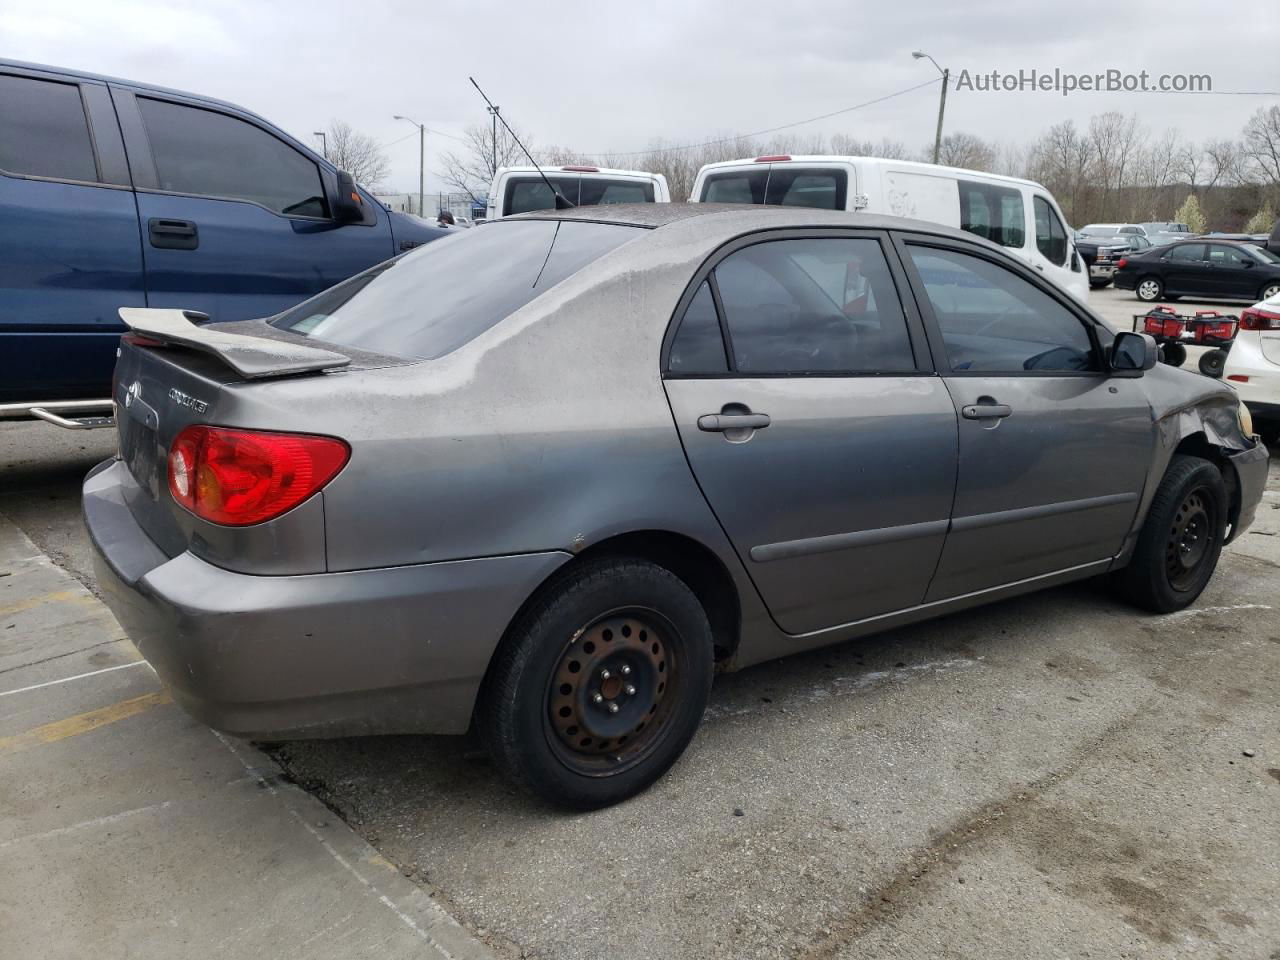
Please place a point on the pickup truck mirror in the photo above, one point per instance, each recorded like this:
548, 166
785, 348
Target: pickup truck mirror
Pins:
1132, 354
349, 206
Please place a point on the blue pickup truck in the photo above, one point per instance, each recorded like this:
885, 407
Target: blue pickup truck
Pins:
118, 194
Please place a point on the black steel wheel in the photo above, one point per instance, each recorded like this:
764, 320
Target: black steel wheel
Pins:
1213, 362
1180, 540
600, 684
1174, 354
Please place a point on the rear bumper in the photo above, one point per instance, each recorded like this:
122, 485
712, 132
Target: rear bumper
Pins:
1251, 470
391, 650
1102, 271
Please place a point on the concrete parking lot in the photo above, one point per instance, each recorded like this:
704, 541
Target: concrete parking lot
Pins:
1057, 775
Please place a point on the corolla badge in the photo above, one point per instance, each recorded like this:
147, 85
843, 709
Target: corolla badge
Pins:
186, 400
133, 393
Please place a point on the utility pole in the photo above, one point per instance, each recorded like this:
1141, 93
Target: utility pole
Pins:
942, 103
422, 159
493, 115
324, 144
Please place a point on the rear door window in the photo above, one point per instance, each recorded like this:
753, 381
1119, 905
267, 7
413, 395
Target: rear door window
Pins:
526, 194
593, 191
431, 301
993, 213
735, 186
1187, 253
698, 347
210, 154
823, 189
43, 130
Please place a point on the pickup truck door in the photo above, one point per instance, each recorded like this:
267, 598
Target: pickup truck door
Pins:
69, 250
235, 217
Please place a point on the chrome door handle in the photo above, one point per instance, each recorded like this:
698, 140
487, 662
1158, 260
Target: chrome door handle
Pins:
720, 422
982, 411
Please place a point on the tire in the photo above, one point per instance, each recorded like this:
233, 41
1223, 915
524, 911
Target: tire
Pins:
1268, 291
1149, 289
1174, 354
1181, 539
626, 630
1213, 362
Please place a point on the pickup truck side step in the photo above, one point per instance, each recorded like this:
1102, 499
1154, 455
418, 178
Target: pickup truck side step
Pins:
251, 357
71, 414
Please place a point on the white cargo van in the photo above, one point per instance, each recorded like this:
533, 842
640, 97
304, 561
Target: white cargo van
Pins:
521, 189
1020, 215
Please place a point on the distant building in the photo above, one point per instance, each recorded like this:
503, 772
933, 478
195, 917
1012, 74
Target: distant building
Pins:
459, 204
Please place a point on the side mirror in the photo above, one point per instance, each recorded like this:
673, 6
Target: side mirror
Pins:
1132, 354
348, 207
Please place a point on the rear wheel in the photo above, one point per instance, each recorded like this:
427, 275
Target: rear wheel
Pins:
1269, 291
1149, 289
1213, 362
601, 685
1180, 541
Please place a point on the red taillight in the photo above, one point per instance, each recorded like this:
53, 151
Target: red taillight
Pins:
1121, 263
1255, 319
774, 159
1238, 378
581, 169
240, 477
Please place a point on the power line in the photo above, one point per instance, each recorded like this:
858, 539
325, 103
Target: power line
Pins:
761, 133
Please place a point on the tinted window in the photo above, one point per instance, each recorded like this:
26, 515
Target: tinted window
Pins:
993, 320
1228, 256
1187, 253
698, 346
212, 154
532, 193
995, 213
593, 191
824, 189
433, 300
1051, 236
814, 305
43, 131
739, 186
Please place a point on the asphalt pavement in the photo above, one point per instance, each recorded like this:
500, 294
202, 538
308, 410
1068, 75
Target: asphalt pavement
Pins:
1057, 775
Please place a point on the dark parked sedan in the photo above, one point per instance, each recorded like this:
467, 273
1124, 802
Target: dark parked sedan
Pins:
547, 475
1200, 268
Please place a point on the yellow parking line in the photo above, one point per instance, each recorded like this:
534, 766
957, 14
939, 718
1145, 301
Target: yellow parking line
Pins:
82, 723
60, 596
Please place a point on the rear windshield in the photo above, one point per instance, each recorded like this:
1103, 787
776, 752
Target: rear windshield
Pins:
428, 303
525, 194
778, 186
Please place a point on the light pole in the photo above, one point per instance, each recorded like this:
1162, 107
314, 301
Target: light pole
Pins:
324, 143
942, 104
422, 154
493, 113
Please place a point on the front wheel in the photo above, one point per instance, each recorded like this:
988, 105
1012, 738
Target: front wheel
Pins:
1269, 291
1149, 289
601, 684
1180, 541
1213, 362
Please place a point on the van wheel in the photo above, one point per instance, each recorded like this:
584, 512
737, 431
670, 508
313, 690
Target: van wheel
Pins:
601, 685
1213, 363
1149, 289
1181, 539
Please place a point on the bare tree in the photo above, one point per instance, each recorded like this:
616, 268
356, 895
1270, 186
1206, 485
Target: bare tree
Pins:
1262, 143
848, 146
1225, 160
1114, 139
961, 149
357, 153
471, 167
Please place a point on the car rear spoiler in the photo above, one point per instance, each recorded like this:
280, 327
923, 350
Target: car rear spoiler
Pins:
251, 357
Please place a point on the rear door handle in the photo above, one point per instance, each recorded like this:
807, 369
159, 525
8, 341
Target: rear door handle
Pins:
173, 234
983, 411
720, 422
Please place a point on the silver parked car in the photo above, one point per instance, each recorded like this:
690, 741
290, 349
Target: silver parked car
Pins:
546, 475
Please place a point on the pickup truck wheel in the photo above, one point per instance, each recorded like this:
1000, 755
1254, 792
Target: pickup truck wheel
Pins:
1149, 289
601, 685
1180, 541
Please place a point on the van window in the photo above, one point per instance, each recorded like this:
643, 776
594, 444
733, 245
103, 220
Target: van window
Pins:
211, 154
1051, 235
45, 130
993, 213
528, 193
593, 191
824, 189
416, 305
822, 305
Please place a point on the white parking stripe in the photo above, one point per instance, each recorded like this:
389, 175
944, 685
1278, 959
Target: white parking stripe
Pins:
78, 676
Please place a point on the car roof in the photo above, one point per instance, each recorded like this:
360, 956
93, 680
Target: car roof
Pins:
736, 218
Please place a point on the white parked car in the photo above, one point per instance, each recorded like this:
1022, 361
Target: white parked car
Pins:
1253, 365
522, 189
1019, 215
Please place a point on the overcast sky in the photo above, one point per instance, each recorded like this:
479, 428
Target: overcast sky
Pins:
611, 76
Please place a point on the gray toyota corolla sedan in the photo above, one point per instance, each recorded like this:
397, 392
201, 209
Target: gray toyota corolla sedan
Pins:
547, 475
